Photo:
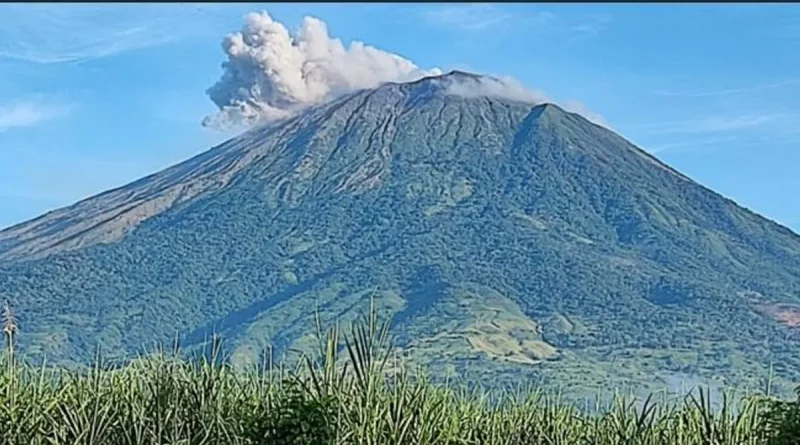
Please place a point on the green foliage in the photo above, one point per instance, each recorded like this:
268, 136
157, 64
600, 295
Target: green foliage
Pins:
362, 400
782, 421
294, 418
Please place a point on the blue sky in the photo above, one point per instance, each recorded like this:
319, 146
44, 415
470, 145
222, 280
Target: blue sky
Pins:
95, 96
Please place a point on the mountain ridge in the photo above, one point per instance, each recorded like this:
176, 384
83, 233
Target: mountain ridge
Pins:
9, 251
506, 238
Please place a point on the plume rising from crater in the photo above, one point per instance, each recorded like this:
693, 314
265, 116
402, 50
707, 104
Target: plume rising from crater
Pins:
271, 73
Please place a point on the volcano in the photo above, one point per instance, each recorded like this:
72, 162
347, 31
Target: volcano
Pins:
505, 239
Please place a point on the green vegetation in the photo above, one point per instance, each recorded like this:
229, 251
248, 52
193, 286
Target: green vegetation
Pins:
369, 398
509, 242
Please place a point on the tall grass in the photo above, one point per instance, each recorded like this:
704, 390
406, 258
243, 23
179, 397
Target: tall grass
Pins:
355, 394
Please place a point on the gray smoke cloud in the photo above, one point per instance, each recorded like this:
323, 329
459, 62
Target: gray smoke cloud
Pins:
271, 73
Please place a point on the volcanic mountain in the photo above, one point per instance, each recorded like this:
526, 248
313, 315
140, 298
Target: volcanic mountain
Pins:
504, 238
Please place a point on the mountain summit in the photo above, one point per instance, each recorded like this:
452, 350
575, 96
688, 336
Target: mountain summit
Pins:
506, 238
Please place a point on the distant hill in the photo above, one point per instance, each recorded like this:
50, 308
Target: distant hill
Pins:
509, 241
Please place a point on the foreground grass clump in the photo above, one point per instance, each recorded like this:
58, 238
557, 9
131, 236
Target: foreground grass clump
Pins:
367, 398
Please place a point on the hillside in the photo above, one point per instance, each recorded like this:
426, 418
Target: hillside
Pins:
506, 239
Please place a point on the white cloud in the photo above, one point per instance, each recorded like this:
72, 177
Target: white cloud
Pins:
470, 17
29, 114
505, 87
578, 107
691, 144
271, 73
737, 142
727, 123
485, 16
733, 91
593, 25
481, 16
486, 86
715, 124
56, 33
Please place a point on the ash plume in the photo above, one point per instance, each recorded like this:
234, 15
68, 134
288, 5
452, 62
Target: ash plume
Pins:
271, 73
